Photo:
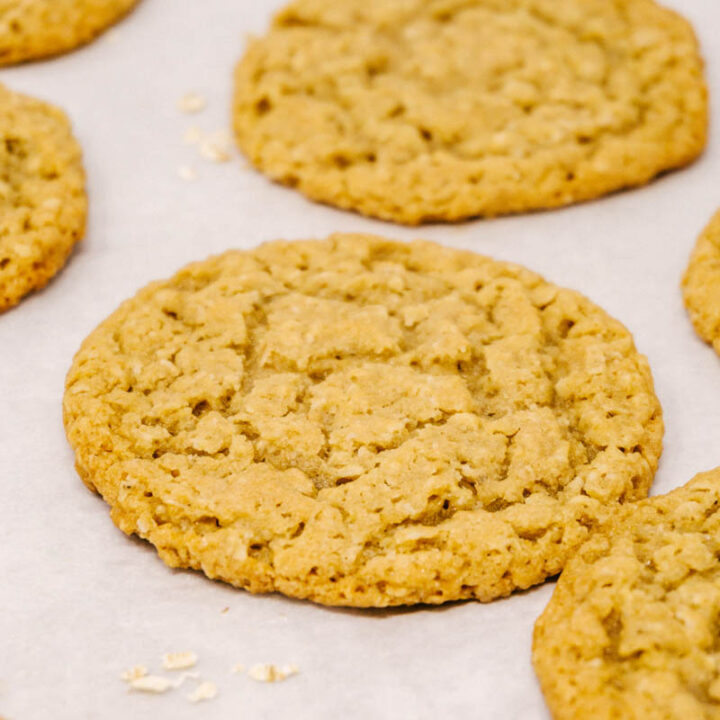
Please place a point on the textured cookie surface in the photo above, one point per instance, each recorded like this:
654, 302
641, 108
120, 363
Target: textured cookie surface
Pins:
631, 632
701, 284
421, 110
42, 194
32, 29
363, 422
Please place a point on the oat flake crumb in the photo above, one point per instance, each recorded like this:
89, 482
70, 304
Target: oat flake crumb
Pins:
272, 673
204, 691
186, 676
187, 173
151, 684
135, 672
192, 135
238, 669
216, 146
192, 103
179, 660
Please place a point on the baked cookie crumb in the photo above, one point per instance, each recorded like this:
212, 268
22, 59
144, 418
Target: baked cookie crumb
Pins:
151, 684
192, 103
133, 673
204, 691
185, 172
272, 673
179, 660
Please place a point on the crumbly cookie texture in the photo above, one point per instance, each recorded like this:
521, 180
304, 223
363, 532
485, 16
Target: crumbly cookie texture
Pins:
38, 28
363, 422
701, 285
631, 631
439, 110
42, 194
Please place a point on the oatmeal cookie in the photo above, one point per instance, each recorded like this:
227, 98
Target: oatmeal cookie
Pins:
701, 284
631, 631
42, 194
363, 422
38, 28
439, 110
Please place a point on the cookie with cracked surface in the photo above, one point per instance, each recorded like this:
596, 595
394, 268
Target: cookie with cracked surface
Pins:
363, 422
701, 284
42, 194
37, 29
631, 630
440, 110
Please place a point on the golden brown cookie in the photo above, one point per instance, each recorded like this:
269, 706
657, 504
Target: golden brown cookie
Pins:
701, 284
631, 631
42, 194
426, 110
31, 29
363, 422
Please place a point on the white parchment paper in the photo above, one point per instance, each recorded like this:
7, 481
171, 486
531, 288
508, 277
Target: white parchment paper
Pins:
79, 601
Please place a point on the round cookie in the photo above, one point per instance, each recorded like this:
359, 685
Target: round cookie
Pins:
631, 630
439, 110
42, 194
363, 422
701, 284
36, 29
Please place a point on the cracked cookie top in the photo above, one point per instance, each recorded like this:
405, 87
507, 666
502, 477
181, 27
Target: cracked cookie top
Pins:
38, 28
363, 422
42, 194
701, 284
425, 110
632, 628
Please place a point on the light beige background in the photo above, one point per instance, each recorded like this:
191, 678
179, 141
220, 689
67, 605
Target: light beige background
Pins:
80, 602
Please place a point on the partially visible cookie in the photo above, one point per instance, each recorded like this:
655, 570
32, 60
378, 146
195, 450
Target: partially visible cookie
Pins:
31, 29
439, 110
632, 629
363, 422
701, 284
42, 194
